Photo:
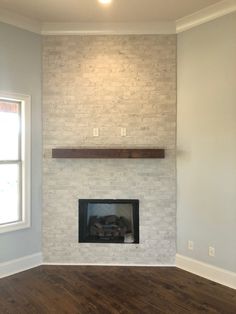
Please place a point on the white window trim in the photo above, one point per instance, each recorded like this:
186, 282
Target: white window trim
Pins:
25, 101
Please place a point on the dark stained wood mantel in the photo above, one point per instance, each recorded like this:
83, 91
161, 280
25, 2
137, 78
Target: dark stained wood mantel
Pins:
107, 153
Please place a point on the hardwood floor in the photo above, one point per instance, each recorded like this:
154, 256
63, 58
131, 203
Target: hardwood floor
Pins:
89, 289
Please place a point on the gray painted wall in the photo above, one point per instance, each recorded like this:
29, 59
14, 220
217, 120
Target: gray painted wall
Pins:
207, 141
20, 72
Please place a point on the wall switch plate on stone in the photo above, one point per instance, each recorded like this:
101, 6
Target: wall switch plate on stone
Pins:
123, 131
95, 131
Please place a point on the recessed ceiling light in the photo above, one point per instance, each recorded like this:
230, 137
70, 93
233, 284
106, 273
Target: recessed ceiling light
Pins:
105, 1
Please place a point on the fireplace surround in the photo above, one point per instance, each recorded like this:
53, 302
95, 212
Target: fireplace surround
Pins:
109, 221
108, 82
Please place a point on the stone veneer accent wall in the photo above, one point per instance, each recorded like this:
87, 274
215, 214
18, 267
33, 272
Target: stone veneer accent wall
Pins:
110, 82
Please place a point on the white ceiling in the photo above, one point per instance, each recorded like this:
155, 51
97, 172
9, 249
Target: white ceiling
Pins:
89, 17
91, 11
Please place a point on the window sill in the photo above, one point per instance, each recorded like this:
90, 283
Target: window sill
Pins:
14, 226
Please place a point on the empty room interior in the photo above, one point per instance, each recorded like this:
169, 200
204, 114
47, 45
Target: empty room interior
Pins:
117, 156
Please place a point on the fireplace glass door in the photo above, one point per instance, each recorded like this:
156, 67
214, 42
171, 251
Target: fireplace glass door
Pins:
108, 221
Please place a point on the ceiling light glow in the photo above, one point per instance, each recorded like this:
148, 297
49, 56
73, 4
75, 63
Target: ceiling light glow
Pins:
105, 1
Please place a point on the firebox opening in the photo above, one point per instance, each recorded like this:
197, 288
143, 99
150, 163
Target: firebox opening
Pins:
108, 221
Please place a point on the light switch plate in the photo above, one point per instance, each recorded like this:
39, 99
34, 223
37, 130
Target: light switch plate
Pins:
123, 131
95, 132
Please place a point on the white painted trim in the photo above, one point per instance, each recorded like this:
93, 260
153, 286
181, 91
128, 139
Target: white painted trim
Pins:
205, 15
20, 21
20, 264
208, 271
166, 27
108, 264
108, 28
25, 101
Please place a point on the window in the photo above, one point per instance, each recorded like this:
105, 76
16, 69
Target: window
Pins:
14, 162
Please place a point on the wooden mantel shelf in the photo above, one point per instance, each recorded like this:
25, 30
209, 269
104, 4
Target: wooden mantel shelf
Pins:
107, 153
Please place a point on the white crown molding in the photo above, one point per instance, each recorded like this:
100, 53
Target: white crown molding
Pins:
20, 264
208, 271
20, 21
205, 15
107, 28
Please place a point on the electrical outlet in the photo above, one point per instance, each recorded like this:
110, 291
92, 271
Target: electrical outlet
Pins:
190, 245
95, 132
123, 131
211, 251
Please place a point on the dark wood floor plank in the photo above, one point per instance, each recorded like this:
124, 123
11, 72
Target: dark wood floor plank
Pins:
130, 295
112, 290
77, 286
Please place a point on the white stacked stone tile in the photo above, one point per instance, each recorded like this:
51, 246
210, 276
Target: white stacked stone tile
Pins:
109, 82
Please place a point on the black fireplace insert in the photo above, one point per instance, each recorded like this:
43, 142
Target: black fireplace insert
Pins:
108, 221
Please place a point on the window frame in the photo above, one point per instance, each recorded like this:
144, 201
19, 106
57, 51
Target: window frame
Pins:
24, 161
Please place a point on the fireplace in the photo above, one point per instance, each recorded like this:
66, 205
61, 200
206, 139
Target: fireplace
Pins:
108, 221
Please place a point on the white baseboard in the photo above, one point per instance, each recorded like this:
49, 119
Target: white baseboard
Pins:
208, 271
20, 264
108, 264
205, 270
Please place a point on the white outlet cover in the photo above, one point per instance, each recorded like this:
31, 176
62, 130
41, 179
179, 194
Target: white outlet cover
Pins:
123, 131
190, 245
211, 251
95, 132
